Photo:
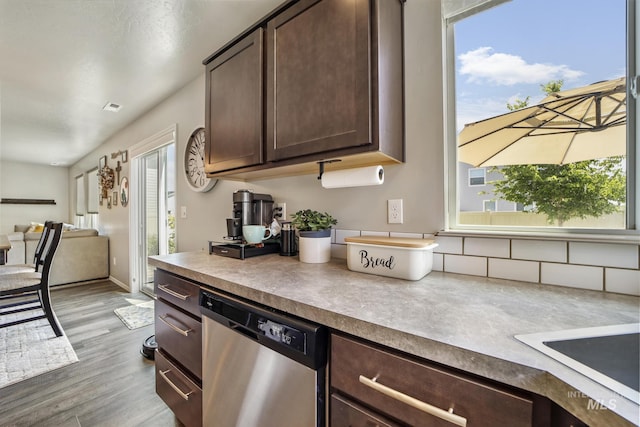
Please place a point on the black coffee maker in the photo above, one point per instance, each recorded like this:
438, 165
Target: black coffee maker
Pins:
249, 208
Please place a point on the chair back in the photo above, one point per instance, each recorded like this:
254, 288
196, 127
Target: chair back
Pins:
37, 256
49, 251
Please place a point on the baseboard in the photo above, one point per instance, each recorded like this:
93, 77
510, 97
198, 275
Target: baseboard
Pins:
119, 283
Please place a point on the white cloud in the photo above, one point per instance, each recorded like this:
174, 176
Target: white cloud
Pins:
483, 65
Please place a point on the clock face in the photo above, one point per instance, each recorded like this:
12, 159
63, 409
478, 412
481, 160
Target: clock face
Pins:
194, 163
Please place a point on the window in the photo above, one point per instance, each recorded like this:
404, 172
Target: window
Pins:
489, 205
93, 191
477, 176
503, 60
80, 200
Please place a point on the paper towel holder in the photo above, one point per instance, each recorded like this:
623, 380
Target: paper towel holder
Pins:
321, 166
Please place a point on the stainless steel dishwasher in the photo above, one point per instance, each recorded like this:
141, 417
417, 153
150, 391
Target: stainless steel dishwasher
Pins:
260, 368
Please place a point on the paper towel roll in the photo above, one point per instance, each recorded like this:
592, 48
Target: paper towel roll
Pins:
370, 175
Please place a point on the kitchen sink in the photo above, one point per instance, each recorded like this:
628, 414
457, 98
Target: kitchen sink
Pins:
609, 355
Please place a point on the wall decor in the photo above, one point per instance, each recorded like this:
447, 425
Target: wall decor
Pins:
102, 163
115, 198
109, 202
124, 191
27, 201
118, 169
106, 179
122, 153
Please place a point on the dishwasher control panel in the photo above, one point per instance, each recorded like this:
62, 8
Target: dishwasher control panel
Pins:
284, 334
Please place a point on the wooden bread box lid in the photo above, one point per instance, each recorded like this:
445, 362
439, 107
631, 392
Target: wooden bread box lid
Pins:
401, 242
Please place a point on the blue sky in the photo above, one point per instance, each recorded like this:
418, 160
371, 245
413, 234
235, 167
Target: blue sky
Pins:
508, 51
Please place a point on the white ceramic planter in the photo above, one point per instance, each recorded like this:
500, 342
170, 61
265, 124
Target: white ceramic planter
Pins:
314, 250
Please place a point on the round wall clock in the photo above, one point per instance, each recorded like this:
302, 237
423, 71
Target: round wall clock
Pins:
194, 163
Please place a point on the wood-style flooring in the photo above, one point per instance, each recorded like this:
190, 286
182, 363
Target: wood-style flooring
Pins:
111, 385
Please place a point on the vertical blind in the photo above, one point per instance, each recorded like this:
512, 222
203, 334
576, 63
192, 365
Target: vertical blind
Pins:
80, 199
93, 190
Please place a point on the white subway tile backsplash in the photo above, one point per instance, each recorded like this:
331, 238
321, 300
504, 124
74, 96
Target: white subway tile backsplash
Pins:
605, 254
539, 250
375, 233
498, 248
526, 271
341, 234
409, 235
595, 266
339, 251
473, 265
622, 281
448, 245
575, 276
437, 262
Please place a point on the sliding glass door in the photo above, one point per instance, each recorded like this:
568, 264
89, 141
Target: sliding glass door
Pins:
156, 209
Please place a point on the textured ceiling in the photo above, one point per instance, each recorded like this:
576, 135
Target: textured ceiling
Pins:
61, 61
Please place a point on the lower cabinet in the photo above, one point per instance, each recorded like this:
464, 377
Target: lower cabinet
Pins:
374, 386
179, 355
178, 391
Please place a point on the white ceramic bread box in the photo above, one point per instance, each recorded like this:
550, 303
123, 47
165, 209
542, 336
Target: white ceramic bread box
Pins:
399, 257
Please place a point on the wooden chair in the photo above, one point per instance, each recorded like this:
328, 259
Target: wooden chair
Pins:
37, 257
17, 290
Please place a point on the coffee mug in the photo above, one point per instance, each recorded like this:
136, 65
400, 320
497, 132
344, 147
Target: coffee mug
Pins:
255, 233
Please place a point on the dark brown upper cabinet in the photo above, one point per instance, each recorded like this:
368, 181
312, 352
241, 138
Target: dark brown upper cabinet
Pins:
234, 106
333, 89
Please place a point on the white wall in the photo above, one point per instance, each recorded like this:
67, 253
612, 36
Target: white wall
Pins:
419, 181
31, 181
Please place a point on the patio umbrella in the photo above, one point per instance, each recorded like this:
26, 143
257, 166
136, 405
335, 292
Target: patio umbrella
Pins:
565, 127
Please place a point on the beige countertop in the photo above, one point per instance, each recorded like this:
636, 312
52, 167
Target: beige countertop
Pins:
465, 322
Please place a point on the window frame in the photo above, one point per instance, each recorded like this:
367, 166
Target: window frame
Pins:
484, 177
632, 214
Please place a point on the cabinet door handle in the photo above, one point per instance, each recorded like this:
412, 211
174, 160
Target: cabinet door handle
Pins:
184, 332
182, 394
415, 403
165, 288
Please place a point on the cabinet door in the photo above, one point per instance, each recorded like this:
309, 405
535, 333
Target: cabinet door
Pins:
318, 78
180, 336
482, 404
234, 106
345, 413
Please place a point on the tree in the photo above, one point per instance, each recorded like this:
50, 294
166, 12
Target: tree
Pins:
561, 192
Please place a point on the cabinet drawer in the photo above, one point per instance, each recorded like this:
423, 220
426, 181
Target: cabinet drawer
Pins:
481, 404
180, 336
181, 394
177, 291
349, 414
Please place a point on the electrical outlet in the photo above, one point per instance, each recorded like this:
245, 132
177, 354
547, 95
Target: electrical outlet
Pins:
280, 211
183, 212
394, 211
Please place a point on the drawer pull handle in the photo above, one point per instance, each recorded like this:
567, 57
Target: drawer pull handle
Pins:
173, 293
182, 394
415, 403
174, 327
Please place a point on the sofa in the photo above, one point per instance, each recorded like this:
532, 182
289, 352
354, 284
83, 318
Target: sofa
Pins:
81, 256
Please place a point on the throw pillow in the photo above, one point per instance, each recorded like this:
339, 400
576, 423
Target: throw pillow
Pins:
36, 228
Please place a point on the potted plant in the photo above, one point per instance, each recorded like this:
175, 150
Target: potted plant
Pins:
314, 235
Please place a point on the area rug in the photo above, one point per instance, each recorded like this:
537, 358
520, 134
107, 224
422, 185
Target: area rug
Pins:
31, 349
136, 316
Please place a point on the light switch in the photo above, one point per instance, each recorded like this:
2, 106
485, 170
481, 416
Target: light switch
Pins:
183, 212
